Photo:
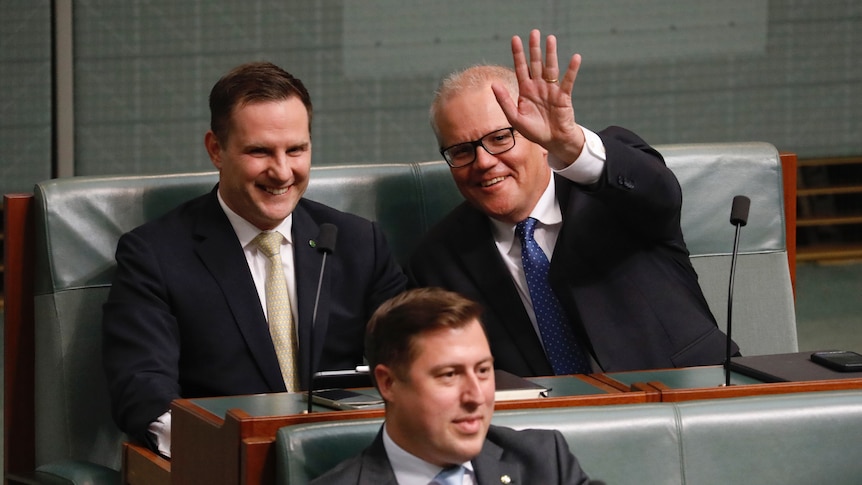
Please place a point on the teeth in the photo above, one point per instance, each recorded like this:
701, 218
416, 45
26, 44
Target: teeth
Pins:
488, 183
275, 191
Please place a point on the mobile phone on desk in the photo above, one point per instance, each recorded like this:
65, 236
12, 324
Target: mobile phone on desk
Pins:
840, 360
345, 399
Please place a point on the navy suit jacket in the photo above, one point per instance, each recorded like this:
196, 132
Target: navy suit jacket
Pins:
526, 457
183, 317
620, 269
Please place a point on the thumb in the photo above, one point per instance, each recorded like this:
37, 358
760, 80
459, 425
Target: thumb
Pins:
504, 99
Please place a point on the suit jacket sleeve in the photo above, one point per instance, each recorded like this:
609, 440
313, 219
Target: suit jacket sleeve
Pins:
638, 187
137, 318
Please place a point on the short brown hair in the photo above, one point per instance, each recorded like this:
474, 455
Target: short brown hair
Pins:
390, 338
250, 83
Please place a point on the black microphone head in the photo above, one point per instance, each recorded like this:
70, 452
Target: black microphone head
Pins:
739, 210
326, 238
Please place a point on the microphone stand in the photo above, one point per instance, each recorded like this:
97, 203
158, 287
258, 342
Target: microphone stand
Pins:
326, 245
738, 217
311, 337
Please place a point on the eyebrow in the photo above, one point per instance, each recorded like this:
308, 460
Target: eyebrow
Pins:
459, 365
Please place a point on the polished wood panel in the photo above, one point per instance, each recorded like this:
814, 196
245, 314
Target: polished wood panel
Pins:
788, 175
144, 467
18, 408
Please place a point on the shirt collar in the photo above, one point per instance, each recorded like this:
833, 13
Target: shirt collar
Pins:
408, 468
246, 231
547, 211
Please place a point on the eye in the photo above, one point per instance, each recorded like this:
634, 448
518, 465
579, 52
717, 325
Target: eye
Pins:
297, 150
465, 150
500, 138
446, 375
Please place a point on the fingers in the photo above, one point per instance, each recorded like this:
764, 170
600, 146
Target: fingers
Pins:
537, 67
522, 72
551, 71
567, 84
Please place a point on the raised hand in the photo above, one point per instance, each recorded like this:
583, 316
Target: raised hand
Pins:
543, 112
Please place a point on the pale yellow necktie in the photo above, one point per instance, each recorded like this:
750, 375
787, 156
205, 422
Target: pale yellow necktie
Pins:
281, 324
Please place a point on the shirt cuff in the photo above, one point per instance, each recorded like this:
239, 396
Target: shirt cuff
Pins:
160, 429
588, 167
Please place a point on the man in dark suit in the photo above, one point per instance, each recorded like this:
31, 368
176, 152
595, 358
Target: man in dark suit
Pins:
433, 367
621, 293
190, 312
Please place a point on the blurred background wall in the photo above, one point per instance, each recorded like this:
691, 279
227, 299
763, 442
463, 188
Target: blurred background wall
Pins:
675, 71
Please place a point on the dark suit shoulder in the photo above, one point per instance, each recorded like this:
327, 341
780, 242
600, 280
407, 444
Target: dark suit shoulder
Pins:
459, 230
508, 438
345, 473
182, 219
541, 454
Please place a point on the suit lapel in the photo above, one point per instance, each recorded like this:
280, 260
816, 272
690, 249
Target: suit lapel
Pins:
307, 262
492, 467
482, 263
222, 255
376, 469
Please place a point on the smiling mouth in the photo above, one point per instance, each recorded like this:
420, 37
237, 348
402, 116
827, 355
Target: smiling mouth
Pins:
274, 191
493, 181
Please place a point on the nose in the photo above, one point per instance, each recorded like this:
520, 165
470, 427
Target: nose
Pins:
280, 168
473, 392
484, 159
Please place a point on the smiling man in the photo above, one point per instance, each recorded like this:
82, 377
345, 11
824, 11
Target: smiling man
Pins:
570, 239
215, 297
433, 367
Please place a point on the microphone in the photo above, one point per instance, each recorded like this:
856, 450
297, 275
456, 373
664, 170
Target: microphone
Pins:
739, 218
326, 245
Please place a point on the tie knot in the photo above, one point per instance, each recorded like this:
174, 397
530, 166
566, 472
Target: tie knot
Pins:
453, 475
525, 228
269, 242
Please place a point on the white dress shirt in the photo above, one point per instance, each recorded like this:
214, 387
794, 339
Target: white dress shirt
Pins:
412, 470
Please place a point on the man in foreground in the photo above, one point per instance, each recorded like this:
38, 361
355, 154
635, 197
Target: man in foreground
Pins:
432, 365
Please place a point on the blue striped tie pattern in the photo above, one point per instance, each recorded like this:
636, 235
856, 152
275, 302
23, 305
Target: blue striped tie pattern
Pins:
278, 312
453, 475
561, 347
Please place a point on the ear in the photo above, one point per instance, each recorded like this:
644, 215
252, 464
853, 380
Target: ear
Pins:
385, 378
213, 148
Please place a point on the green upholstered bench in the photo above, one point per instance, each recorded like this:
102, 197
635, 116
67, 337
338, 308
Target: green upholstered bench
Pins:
787, 439
78, 221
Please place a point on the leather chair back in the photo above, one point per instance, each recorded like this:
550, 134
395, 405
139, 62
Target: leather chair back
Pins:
788, 438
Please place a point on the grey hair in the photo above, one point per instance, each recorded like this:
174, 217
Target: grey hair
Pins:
475, 77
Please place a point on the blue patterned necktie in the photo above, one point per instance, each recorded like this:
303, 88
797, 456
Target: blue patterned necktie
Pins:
561, 347
453, 475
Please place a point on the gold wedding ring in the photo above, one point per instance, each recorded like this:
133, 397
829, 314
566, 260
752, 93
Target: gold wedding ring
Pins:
550, 80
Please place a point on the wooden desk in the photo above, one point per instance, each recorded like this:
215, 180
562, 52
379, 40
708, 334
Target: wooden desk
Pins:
230, 440
675, 385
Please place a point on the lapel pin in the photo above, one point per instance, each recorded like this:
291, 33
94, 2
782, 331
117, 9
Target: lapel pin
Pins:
505, 480
312, 243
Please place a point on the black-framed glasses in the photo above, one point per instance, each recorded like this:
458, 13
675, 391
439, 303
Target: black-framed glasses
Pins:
494, 143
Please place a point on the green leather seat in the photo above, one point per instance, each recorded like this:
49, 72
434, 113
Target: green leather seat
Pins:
786, 439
